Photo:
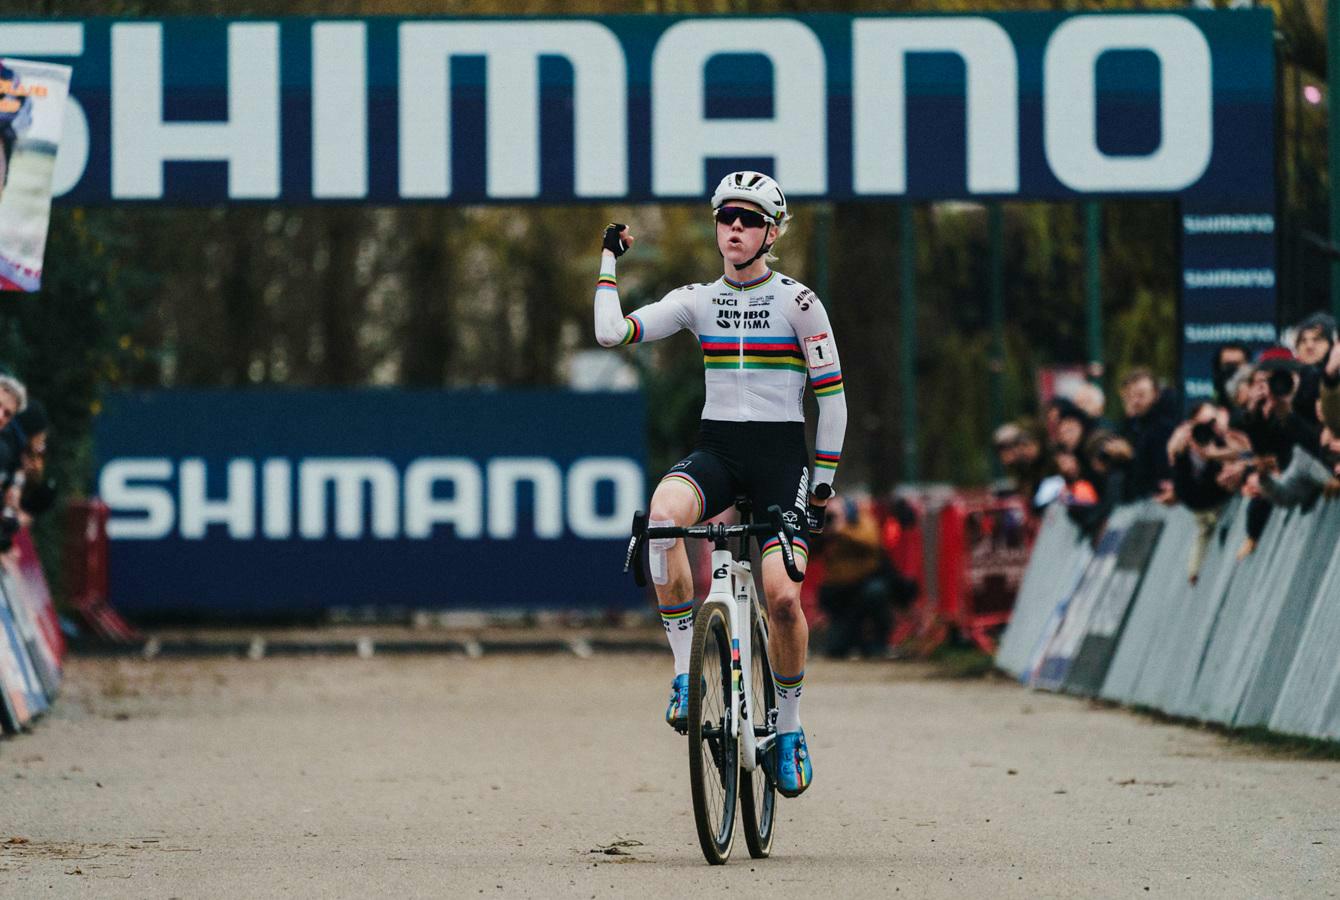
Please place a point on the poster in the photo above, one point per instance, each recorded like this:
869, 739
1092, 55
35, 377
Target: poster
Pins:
32, 113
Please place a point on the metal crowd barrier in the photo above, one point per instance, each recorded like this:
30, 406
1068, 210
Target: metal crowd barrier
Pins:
1252, 643
32, 647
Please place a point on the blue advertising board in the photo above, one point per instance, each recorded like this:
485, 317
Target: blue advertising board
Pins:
1031, 105
271, 504
1177, 104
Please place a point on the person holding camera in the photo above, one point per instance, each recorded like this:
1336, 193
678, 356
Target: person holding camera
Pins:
1198, 451
1270, 420
1276, 430
1312, 470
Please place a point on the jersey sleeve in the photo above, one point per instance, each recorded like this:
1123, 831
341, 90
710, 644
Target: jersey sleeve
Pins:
810, 321
652, 322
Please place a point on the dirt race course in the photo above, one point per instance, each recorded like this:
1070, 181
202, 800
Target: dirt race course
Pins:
543, 776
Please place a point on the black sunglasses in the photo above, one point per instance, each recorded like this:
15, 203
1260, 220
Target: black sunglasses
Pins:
729, 215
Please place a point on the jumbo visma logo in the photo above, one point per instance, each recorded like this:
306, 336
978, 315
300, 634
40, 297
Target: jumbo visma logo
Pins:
352, 498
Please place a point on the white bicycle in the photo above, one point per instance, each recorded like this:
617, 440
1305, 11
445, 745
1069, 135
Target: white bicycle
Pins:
732, 719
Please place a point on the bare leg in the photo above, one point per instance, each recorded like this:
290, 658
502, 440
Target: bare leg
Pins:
788, 638
674, 503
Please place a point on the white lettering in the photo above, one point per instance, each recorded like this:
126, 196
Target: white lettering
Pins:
1199, 388
1224, 332
277, 478
585, 474
1070, 103
348, 475
512, 51
339, 110
142, 142
154, 503
795, 137
1263, 223
237, 509
879, 100
1193, 279
464, 511
72, 154
504, 475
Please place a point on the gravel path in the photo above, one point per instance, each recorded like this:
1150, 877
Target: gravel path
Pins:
509, 777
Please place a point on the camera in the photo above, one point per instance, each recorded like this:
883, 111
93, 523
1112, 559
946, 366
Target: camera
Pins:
1280, 383
1202, 433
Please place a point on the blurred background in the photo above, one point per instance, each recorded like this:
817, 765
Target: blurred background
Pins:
256, 296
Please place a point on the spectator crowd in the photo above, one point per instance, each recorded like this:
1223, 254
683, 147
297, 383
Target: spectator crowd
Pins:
1270, 434
26, 490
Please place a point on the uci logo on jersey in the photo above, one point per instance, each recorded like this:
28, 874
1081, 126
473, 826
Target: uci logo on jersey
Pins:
725, 301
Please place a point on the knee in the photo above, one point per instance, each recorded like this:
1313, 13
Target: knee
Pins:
669, 509
784, 609
662, 512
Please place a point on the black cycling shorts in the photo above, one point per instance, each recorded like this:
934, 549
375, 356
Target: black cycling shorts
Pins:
765, 462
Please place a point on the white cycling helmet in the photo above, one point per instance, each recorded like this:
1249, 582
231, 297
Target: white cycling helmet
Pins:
753, 187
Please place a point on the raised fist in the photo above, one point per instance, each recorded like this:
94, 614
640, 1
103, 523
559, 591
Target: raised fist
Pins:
617, 239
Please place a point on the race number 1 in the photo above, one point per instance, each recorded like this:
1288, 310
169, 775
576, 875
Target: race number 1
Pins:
819, 351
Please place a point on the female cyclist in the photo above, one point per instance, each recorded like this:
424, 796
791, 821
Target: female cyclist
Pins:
763, 335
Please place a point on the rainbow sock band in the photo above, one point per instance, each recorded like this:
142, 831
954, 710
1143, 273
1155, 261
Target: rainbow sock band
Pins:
788, 683
607, 283
774, 545
693, 485
827, 459
634, 332
678, 612
827, 385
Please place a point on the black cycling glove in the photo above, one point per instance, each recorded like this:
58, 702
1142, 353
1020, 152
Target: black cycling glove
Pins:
815, 514
613, 242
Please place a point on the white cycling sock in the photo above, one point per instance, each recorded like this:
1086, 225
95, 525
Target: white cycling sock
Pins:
678, 621
788, 701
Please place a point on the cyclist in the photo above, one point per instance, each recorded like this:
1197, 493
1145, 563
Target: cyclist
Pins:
762, 335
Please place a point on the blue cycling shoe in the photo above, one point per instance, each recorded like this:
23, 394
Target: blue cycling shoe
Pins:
788, 762
677, 713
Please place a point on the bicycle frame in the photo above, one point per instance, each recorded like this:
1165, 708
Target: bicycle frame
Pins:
733, 586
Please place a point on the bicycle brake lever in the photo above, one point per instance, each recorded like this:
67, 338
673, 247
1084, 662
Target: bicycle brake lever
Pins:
784, 536
633, 558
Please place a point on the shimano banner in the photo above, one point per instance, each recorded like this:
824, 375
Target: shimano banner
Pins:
262, 504
1029, 105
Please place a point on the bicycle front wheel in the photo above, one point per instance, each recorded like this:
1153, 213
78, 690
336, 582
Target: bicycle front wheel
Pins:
758, 795
714, 752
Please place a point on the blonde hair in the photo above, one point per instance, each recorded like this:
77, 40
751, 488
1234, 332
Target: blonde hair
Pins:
15, 388
771, 257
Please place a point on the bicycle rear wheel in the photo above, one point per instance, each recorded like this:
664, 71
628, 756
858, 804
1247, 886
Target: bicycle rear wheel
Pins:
714, 753
758, 795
